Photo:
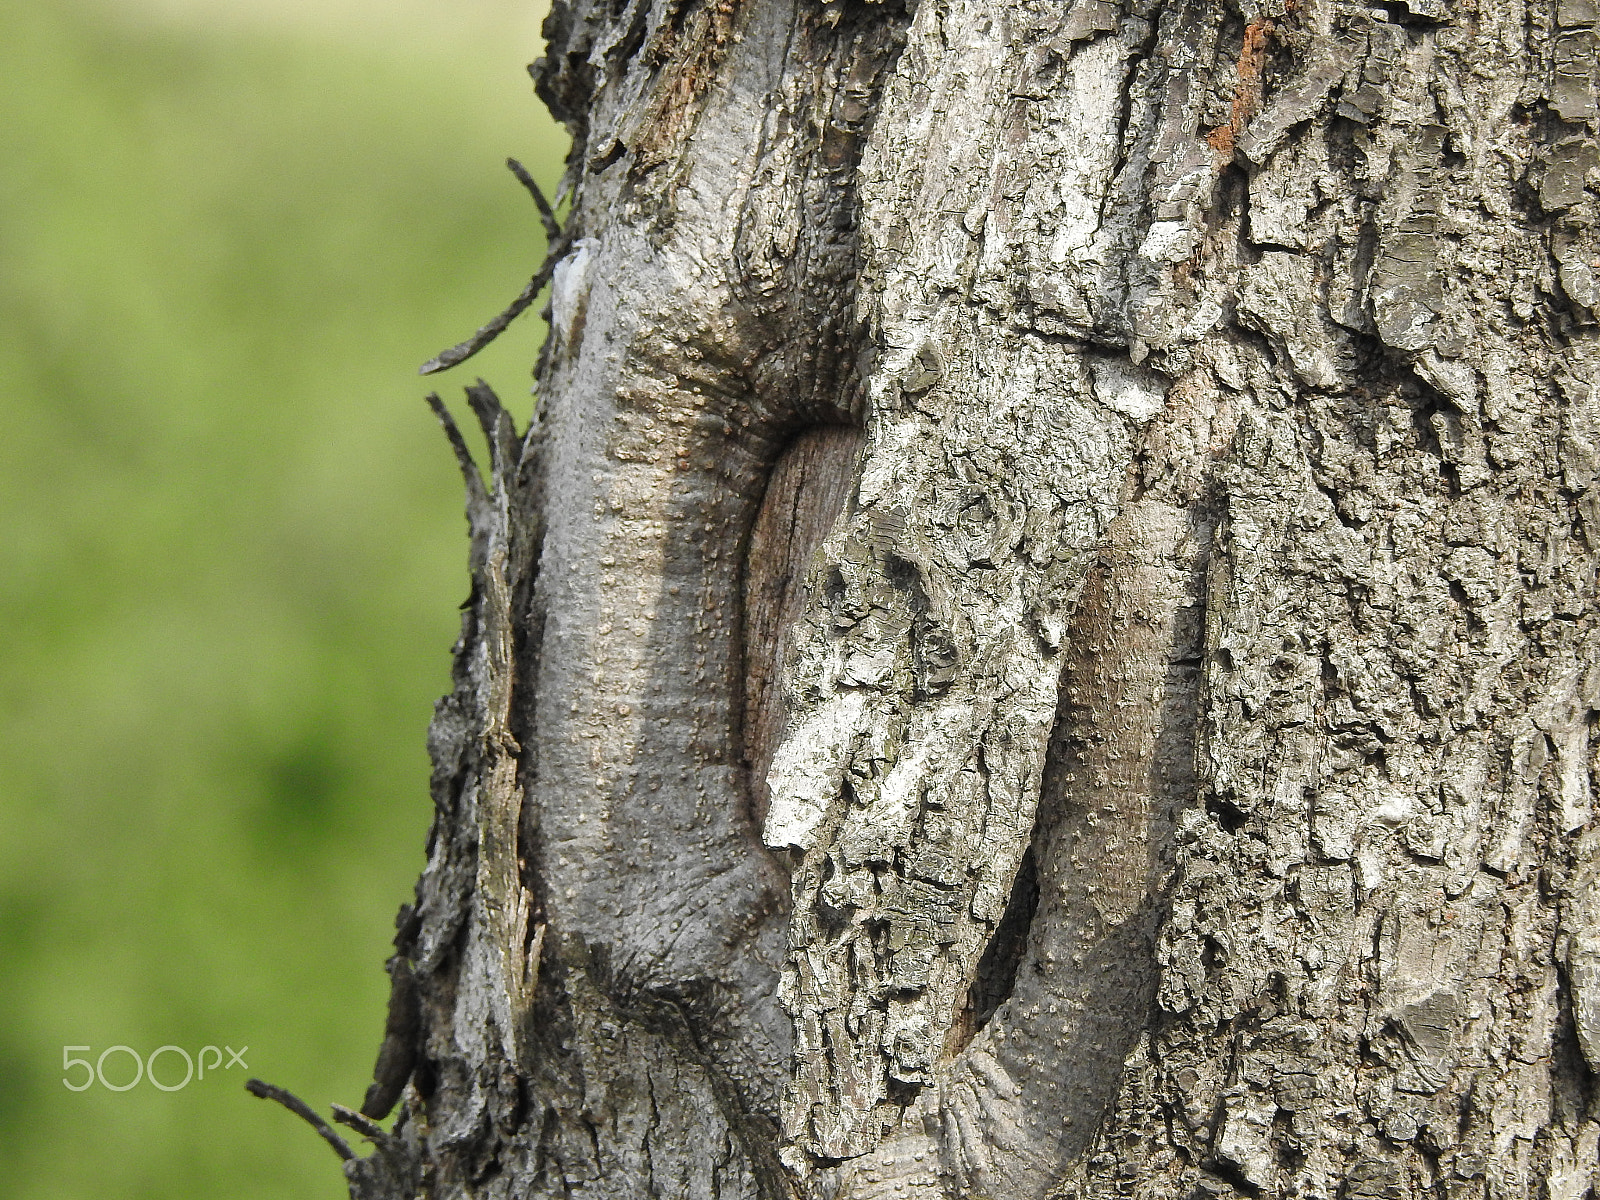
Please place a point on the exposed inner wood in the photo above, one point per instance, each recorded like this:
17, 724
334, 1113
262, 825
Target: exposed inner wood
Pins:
807, 490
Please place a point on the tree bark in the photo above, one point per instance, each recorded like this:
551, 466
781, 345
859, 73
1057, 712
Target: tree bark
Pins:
1042, 639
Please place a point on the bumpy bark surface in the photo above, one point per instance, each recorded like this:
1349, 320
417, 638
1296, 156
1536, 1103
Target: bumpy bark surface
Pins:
1042, 640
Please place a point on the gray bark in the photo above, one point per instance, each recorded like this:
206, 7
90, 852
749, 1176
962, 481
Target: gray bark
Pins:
1042, 639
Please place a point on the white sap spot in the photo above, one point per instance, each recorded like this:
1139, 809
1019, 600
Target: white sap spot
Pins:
1394, 810
569, 286
1127, 389
808, 769
884, 465
934, 738
1168, 241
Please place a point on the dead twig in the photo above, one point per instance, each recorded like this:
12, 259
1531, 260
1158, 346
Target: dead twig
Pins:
302, 1110
459, 354
555, 238
362, 1124
552, 227
469, 469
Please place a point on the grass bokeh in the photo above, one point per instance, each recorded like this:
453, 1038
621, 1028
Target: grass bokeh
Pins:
231, 544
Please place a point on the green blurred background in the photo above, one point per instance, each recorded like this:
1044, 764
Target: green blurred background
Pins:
231, 543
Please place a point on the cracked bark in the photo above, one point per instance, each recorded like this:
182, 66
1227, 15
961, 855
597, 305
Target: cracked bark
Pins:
1041, 641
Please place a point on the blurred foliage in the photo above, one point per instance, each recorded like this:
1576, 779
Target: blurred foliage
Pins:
231, 551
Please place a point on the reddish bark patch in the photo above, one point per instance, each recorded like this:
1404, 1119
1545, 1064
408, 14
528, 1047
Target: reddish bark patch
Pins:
1249, 93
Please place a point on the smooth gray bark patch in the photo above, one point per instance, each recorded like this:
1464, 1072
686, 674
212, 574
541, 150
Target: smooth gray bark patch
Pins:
1157, 443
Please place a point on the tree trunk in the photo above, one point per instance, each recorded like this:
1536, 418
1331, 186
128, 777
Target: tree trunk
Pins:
1042, 640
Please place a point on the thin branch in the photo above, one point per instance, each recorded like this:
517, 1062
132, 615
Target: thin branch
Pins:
552, 227
469, 469
360, 1123
555, 240
302, 1110
460, 353
499, 430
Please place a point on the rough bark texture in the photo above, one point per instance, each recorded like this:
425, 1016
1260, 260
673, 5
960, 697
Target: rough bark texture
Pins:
1042, 640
